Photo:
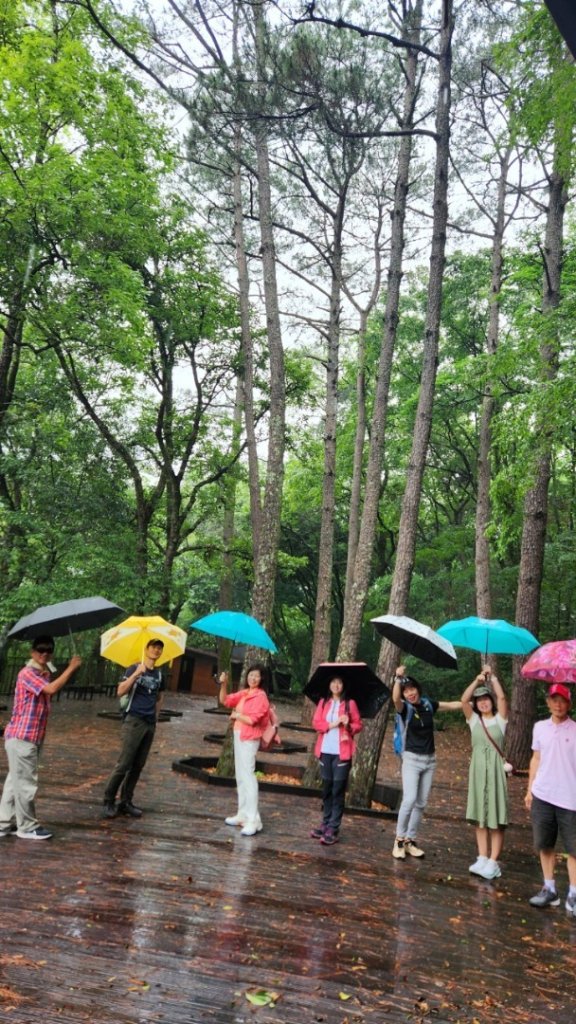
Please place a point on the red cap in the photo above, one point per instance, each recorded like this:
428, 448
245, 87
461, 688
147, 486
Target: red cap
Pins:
559, 690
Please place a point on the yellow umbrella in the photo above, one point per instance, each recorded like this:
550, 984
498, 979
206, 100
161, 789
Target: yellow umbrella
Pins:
125, 644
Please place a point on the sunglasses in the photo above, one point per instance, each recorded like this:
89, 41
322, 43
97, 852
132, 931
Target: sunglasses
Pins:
44, 650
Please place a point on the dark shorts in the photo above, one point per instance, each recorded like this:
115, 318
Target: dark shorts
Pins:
549, 822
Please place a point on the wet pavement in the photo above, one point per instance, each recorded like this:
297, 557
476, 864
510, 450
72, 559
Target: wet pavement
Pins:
178, 919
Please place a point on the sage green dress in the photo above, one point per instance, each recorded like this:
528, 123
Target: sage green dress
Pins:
487, 805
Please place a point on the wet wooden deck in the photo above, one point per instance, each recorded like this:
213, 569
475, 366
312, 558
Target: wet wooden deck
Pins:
176, 918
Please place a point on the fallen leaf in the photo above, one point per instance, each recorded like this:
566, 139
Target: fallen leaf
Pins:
262, 997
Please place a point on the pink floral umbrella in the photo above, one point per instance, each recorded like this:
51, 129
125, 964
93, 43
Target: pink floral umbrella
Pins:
552, 663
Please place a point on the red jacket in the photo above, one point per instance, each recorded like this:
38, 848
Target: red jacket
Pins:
345, 732
255, 706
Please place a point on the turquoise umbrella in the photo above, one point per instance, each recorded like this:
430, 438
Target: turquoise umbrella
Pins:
489, 636
236, 626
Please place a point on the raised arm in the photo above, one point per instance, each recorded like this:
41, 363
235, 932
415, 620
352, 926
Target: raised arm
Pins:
223, 691
501, 702
466, 697
449, 705
397, 688
62, 679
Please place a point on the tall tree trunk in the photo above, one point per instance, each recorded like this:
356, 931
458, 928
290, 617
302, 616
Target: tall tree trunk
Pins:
267, 554
363, 773
482, 547
523, 704
323, 616
357, 593
357, 460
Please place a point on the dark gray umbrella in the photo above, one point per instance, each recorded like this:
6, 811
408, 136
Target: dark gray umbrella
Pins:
66, 617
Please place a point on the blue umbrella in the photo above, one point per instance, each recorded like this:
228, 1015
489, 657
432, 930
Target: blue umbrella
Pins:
489, 636
236, 626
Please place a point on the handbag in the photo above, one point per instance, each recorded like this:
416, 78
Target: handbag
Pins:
508, 768
270, 736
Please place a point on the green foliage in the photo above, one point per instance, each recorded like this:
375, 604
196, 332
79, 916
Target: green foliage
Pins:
543, 84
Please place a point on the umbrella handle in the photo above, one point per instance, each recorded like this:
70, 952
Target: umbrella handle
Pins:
72, 641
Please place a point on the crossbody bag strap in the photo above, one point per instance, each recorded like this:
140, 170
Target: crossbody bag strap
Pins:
409, 715
492, 741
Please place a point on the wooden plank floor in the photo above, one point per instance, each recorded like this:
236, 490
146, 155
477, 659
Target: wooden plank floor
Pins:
175, 917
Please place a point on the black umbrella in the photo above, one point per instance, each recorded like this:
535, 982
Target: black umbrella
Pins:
415, 638
360, 683
66, 617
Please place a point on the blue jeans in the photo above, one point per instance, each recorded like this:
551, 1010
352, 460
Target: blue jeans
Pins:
417, 775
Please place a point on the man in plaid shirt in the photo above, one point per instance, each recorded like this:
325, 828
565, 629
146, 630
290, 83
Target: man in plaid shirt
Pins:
23, 738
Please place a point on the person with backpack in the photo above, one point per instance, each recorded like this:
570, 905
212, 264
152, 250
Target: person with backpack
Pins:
336, 720
143, 686
486, 711
416, 714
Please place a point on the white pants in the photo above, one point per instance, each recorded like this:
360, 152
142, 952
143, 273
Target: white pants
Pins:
246, 782
20, 786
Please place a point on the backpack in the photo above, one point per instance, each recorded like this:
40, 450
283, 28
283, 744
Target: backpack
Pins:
401, 726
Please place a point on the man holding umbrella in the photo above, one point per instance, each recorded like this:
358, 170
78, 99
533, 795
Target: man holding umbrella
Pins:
23, 738
142, 685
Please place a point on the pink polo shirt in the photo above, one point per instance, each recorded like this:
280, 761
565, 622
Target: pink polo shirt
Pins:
555, 780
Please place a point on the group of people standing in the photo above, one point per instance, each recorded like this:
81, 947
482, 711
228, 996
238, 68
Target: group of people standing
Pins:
551, 791
550, 795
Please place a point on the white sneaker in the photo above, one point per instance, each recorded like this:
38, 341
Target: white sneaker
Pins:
478, 866
251, 830
412, 848
398, 850
490, 870
234, 820
35, 833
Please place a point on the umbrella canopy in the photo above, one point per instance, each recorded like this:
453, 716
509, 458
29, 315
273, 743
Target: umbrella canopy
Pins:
125, 644
415, 638
236, 626
360, 682
552, 663
66, 617
489, 636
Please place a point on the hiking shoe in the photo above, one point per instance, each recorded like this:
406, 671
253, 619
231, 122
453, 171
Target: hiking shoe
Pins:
412, 849
490, 870
34, 833
110, 809
130, 810
545, 898
571, 904
329, 837
478, 866
317, 833
234, 820
398, 851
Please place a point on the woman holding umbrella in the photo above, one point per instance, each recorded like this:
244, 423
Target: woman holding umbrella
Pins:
250, 715
418, 759
486, 711
336, 720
